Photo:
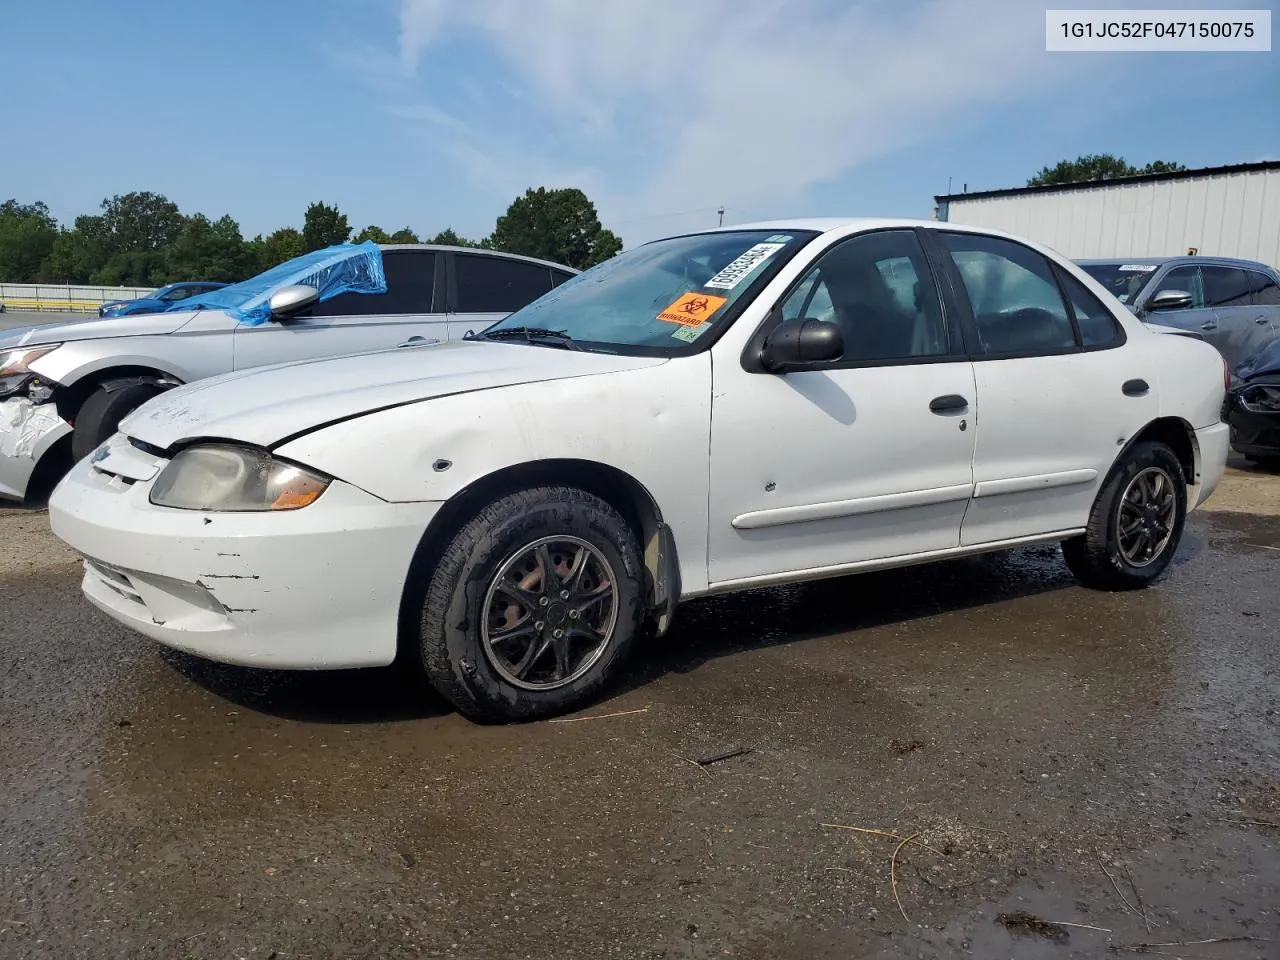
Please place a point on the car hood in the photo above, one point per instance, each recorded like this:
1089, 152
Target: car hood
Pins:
267, 405
96, 328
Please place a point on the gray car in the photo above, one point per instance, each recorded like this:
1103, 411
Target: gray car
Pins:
1233, 304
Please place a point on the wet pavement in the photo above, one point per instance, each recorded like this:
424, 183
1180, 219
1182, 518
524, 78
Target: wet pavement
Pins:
1106, 762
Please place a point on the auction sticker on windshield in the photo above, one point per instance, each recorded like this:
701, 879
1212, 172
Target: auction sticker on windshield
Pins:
692, 309
739, 269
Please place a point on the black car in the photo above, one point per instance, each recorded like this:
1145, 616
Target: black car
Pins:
1253, 407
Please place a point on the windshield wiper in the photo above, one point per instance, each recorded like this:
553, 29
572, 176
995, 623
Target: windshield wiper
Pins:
555, 338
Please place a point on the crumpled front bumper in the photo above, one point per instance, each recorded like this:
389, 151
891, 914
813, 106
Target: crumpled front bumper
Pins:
27, 431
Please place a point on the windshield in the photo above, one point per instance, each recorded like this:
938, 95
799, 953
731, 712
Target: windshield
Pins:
156, 294
1124, 281
660, 298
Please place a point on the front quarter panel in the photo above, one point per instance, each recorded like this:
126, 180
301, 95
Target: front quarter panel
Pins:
201, 348
652, 424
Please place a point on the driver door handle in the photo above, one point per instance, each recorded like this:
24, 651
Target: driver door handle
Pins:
948, 403
1211, 325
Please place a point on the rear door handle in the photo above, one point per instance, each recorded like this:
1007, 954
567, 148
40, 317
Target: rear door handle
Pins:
411, 341
947, 403
1211, 325
1135, 388
1261, 321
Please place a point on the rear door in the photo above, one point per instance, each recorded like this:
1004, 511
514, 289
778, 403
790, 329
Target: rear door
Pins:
1059, 389
1264, 295
356, 322
485, 288
1240, 333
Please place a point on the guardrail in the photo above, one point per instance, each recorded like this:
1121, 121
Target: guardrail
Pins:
51, 306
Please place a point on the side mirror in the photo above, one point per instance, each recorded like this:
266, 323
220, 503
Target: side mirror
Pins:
1170, 300
800, 342
291, 300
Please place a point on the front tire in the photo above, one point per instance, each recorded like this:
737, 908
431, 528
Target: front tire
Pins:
101, 413
532, 605
1136, 522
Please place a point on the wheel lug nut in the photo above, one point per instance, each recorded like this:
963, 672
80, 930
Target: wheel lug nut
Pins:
539, 625
573, 614
557, 634
564, 594
543, 601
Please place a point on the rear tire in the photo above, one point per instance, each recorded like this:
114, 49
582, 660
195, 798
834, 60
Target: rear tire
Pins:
532, 606
1136, 522
101, 413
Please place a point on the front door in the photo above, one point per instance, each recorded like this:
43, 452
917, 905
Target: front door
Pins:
1199, 318
862, 459
355, 322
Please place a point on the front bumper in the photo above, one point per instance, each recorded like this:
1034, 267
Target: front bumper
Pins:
315, 588
1254, 433
27, 432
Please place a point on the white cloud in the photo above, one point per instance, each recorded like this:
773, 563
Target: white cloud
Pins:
741, 102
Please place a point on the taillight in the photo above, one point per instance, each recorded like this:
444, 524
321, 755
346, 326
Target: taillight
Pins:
1226, 375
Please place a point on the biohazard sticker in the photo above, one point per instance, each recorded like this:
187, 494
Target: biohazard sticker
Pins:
741, 268
690, 334
692, 309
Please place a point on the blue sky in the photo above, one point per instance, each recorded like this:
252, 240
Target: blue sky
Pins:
434, 113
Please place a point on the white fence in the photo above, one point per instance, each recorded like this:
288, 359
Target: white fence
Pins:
63, 296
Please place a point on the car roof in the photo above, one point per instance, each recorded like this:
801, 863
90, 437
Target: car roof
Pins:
1161, 261
477, 250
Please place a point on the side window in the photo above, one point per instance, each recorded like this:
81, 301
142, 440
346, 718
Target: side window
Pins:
1264, 290
559, 276
1186, 279
879, 289
181, 293
411, 278
1225, 287
497, 285
1016, 304
1097, 326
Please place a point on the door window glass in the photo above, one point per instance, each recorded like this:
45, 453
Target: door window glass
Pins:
1097, 326
410, 281
1225, 287
1016, 304
878, 288
1264, 290
498, 285
1186, 279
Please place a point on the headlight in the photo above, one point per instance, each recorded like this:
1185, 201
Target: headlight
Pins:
1260, 398
14, 371
222, 477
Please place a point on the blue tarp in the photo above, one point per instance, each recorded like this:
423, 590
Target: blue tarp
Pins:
343, 268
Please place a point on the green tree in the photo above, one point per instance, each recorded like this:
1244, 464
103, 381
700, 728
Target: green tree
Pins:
27, 235
447, 237
77, 252
284, 244
405, 235
1099, 166
374, 233
559, 225
140, 221
324, 226
209, 250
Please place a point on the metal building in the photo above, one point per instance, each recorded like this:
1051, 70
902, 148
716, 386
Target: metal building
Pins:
1216, 211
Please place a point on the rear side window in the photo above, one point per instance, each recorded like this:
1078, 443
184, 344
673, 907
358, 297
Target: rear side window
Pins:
411, 278
1264, 290
497, 285
1097, 326
1017, 307
559, 276
1225, 287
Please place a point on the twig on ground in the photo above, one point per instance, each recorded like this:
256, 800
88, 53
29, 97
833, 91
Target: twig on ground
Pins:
1144, 947
1138, 898
893, 874
694, 763
839, 870
1021, 920
600, 716
1078, 926
727, 755
1251, 823
1120, 893
1263, 546
883, 833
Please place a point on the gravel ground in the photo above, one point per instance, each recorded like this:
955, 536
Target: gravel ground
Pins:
1092, 759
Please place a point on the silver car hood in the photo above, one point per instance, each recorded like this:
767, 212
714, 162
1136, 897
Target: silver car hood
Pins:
264, 406
97, 328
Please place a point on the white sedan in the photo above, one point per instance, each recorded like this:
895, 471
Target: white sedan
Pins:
707, 413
